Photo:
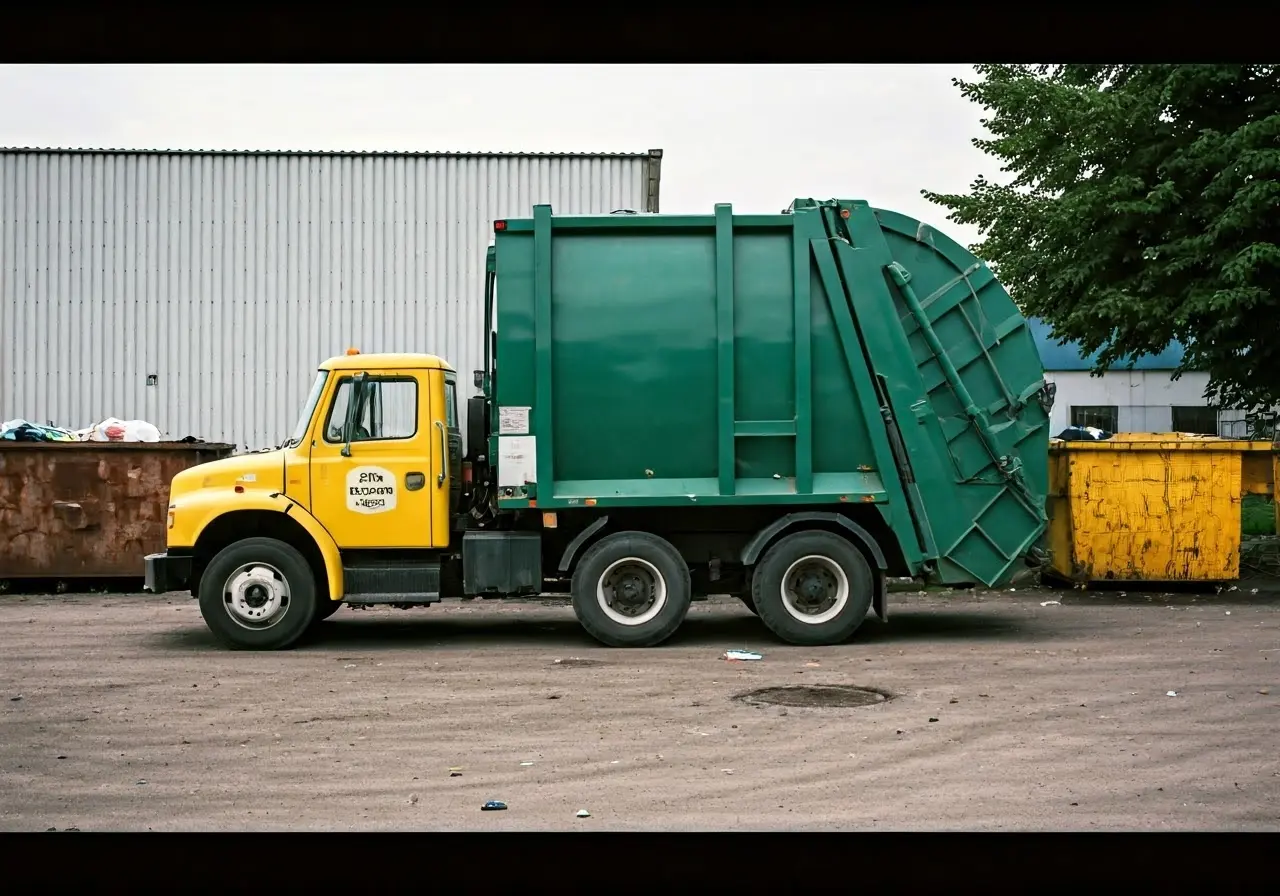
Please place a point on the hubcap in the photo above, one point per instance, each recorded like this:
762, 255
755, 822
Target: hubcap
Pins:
631, 591
256, 596
815, 589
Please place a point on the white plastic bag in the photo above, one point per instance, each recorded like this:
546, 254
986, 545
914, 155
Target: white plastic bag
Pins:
109, 430
140, 431
114, 430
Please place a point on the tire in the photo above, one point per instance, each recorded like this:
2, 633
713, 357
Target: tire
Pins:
838, 570
644, 559
748, 601
325, 609
241, 577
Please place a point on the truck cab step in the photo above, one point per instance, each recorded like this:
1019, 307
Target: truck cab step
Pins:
399, 598
374, 583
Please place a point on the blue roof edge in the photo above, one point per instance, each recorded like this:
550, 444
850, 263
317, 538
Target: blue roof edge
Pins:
1068, 357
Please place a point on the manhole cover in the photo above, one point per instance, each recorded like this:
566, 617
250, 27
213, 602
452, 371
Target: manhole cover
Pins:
577, 661
821, 695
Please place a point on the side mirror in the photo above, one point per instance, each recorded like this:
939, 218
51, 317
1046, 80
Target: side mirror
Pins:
353, 408
477, 378
477, 427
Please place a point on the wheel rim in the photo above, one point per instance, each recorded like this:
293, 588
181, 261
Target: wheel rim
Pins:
256, 596
815, 589
631, 591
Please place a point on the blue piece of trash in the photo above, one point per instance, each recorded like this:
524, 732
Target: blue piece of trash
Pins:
493, 806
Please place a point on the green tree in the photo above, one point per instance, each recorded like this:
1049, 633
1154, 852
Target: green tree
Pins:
1143, 207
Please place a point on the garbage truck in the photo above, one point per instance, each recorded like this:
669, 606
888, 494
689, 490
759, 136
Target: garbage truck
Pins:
788, 408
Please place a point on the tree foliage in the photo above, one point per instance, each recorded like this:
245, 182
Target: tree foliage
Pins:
1144, 207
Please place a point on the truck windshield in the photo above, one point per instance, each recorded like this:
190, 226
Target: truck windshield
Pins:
313, 397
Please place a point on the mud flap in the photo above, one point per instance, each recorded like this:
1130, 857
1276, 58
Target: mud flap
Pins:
880, 601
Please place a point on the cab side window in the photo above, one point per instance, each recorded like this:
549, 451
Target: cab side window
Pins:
386, 408
450, 405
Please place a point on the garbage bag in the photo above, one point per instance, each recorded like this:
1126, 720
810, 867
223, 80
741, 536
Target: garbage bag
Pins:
1084, 434
115, 430
25, 431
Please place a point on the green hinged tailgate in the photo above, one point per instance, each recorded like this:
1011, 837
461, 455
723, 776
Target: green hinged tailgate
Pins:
963, 382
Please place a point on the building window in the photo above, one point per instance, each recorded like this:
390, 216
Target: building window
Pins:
1100, 416
1201, 421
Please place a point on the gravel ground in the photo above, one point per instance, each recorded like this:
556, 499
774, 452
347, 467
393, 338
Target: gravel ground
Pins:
119, 712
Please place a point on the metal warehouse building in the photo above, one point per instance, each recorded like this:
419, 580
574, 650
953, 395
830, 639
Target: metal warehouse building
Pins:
198, 290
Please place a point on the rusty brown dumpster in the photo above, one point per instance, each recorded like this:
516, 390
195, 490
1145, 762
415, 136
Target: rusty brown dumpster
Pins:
88, 509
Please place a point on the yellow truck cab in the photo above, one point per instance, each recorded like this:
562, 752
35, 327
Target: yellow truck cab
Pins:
263, 538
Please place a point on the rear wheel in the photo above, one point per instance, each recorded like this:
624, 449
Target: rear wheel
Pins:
258, 594
813, 589
632, 589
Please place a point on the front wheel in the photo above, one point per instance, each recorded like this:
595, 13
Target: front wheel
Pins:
632, 589
325, 609
258, 594
813, 589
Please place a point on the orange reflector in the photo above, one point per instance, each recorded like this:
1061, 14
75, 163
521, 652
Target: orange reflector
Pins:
239, 489
844, 497
590, 502
353, 351
466, 472
868, 499
499, 225
533, 503
549, 520
844, 213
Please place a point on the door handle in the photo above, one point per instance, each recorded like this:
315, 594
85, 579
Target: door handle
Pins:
414, 481
444, 454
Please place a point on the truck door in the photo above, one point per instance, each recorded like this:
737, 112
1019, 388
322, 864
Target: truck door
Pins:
444, 454
383, 494
454, 426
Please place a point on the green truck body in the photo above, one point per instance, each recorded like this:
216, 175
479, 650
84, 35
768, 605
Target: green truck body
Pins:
832, 357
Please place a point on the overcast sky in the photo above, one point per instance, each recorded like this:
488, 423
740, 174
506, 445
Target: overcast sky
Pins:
754, 135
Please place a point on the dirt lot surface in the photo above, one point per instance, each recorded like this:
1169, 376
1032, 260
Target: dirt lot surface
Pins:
120, 712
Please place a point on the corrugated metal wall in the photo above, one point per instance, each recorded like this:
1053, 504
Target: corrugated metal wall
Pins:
224, 278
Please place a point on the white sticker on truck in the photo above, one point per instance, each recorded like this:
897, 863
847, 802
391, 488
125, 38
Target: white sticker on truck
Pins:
517, 461
513, 421
371, 490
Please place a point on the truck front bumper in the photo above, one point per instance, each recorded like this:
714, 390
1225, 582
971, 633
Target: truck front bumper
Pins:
166, 572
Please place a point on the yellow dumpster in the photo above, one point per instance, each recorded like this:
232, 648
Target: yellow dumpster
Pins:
1150, 507
1257, 469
